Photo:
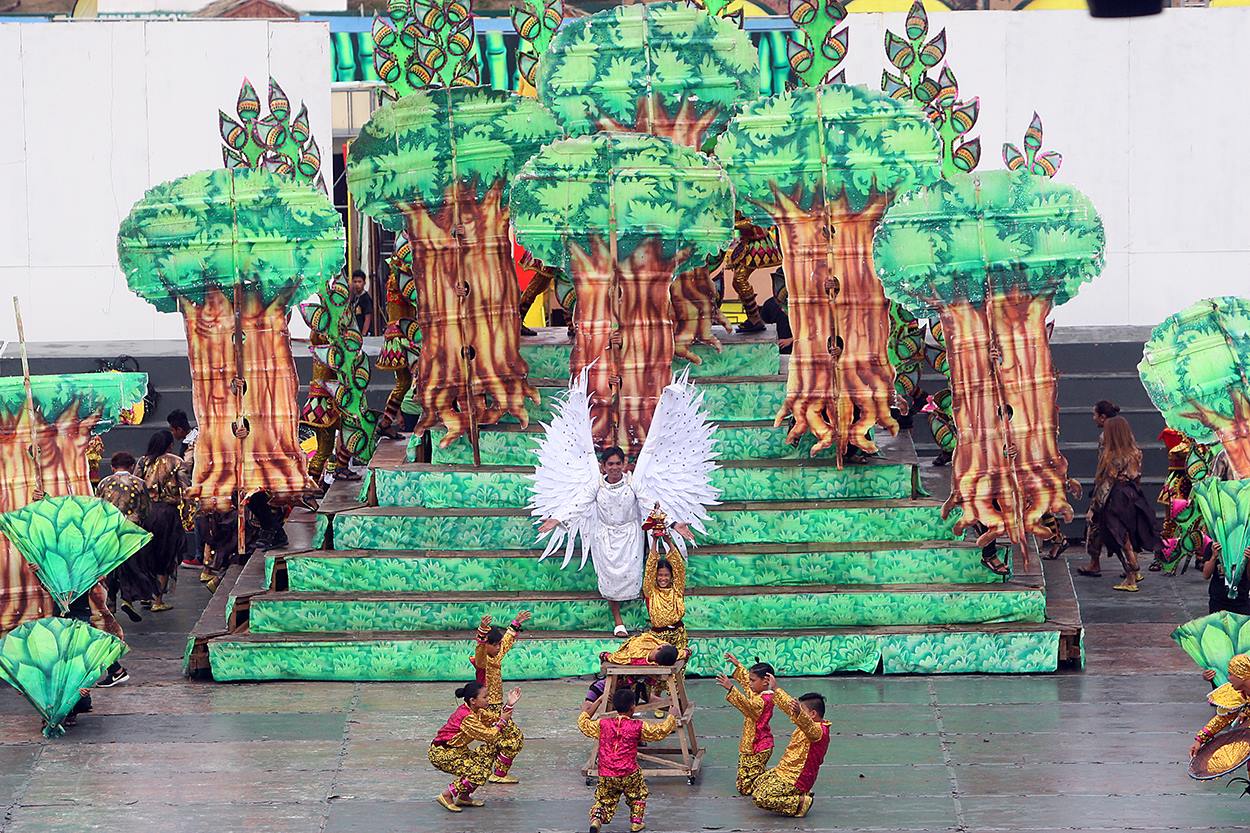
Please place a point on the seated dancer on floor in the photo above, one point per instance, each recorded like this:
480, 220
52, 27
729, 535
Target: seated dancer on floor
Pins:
619, 736
577, 495
450, 751
786, 788
492, 643
1231, 701
755, 701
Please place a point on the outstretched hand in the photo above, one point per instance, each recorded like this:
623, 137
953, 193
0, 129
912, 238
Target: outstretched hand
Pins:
523, 617
485, 623
547, 525
684, 531
732, 658
513, 696
724, 682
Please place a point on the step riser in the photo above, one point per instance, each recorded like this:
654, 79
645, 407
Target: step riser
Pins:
756, 358
763, 526
425, 575
445, 490
723, 401
800, 655
797, 610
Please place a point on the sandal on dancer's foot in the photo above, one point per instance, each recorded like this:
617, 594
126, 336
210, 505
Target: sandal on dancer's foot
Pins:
1127, 588
1140, 577
995, 565
1155, 567
470, 802
1086, 571
620, 631
1057, 551
447, 803
805, 804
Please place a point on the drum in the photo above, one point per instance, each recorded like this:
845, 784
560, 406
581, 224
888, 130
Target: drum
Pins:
1221, 755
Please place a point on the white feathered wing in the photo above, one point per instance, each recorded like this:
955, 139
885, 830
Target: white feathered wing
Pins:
567, 472
677, 459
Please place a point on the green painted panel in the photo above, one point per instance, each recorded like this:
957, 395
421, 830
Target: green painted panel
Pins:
380, 573
746, 612
970, 653
755, 526
321, 526
754, 358
478, 489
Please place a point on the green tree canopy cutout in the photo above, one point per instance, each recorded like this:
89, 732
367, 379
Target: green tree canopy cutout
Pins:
410, 151
72, 541
580, 191
668, 69
801, 149
106, 394
1225, 506
214, 229
962, 239
1196, 368
1213, 640
48, 660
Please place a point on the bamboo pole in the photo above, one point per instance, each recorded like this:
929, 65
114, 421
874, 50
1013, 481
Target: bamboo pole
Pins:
35, 453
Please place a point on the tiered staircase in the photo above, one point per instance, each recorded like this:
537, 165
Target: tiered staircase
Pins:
817, 569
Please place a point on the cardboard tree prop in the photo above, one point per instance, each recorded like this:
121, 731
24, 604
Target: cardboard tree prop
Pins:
1196, 368
1032, 159
1225, 506
622, 213
276, 142
420, 46
536, 22
992, 254
71, 541
68, 411
818, 46
233, 250
1212, 640
667, 69
438, 164
822, 164
50, 660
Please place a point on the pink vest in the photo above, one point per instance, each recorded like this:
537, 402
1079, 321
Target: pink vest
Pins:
618, 746
452, 727
764, 732
815, 757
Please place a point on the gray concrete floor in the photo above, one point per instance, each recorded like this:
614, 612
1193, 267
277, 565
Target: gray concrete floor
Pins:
1102, 750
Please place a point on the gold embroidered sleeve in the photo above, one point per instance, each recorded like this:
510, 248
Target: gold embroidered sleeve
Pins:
750, 703
588, 725
651, 732
473, 726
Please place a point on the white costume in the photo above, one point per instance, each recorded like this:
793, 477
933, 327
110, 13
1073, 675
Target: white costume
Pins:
673, 470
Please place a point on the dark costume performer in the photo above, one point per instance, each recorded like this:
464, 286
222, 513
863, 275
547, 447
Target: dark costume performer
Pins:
129, 580
398, 351
166, 476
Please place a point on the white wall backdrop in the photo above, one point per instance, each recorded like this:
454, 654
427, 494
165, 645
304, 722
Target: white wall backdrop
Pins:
95, 113
1148, 113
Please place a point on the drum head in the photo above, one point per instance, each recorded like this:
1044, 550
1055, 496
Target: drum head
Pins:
1221, 755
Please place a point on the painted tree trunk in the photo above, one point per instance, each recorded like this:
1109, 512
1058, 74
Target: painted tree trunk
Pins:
63, 455
694, 311
1031, 389
683, 127
272, 459
981, 476
643, 362
1235, 436
485, 323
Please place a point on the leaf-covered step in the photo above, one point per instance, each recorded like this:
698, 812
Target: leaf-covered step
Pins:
510, 445
436, 656
741, 566
743, 522
548, 356
747, 608
443, 487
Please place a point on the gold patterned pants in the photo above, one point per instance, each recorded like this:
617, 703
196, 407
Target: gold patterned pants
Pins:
751, 766
676, 637
471, 766
510, 742
776, 793
403, 381
746, 294
325, 447
608, 794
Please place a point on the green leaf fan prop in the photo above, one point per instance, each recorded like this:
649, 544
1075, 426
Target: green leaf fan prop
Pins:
49, 660
1213, 640
72, 541
1196, 368
1225, 506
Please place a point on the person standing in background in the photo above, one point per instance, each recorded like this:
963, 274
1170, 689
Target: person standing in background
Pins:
362, 303
166, 476
1104, 410
1124, 517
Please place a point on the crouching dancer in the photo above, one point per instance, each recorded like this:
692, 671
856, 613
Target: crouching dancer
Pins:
451, 752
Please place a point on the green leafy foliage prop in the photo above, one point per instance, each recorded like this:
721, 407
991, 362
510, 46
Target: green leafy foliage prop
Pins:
276, 142
49, 660
536, 22
333, 318
75, 396
419, 45
1032, 158
1225, 506
1196, 368
992, 254
668, 69
72, 541
1211, 641
913, 58
817, 47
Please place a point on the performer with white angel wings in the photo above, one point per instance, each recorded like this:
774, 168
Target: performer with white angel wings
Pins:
575, 495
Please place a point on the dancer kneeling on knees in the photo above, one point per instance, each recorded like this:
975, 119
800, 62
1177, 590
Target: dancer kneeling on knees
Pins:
451, 752
619, 775
786, 788
755, 701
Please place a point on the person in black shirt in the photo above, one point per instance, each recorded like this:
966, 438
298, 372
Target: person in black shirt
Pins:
362, 303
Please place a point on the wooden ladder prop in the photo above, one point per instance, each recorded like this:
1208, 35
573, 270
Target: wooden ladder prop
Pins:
683, 760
